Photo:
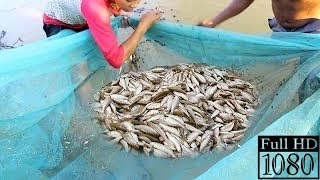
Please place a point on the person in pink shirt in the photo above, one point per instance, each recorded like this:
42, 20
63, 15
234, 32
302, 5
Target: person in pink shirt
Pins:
80, 15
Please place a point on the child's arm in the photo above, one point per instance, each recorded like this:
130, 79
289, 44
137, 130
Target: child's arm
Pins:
98, 18
145, 23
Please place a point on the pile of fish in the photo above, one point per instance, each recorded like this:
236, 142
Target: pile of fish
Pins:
176, 111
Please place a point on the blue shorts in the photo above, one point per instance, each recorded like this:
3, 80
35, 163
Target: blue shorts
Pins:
311, 27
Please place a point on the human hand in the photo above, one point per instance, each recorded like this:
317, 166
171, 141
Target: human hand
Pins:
124, 23
149, 18
206, 23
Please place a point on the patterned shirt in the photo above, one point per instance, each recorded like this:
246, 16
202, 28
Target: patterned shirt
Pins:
76, 14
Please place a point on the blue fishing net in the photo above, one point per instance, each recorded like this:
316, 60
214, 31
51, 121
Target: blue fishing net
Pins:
48, 130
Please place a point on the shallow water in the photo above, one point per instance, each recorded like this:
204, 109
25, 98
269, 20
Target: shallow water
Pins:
23, 18
252, 20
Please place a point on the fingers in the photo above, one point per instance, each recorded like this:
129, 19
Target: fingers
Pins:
124, 23
157, 10
158, 13
199, 24
206, 23
150, 17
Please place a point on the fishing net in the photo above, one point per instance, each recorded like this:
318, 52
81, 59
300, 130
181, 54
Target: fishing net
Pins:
47, 128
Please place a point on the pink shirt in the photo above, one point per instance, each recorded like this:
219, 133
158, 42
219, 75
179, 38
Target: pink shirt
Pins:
96, 14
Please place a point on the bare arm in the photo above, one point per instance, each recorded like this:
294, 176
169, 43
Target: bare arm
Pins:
145, 23
233, 9
97, 17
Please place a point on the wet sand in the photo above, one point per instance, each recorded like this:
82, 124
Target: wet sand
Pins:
252, 20
23, 18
